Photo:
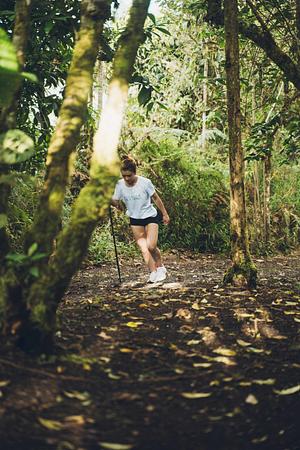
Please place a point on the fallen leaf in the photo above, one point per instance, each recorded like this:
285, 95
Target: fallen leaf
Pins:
288, 391
251, 400
193, 342
193, 395
4, 383
204, 365
126, 350
225, 360
75, 420
268, 382
115, 446
50, 424
134, 324
183, 313
224, 351
196, 306
243, 343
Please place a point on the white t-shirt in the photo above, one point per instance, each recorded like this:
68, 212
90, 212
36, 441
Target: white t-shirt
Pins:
137, 198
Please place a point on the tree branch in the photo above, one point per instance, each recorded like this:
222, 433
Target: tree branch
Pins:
263, 39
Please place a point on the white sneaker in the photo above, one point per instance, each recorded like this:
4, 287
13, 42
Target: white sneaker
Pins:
152, 277
161, 274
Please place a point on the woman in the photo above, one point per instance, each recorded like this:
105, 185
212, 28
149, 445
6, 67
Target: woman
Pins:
137, 192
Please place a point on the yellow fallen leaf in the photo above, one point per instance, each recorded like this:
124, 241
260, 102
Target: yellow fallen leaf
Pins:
194, 395
115, 446
251, 400
224, 351
50, 424
288, 391
75, 420
243, 343
134, 324
204, 365
4, 383
196, 306
126, 350
268, 382
193, 342
225, 360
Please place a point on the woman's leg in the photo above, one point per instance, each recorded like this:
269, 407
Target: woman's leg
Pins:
140, 237
151, 238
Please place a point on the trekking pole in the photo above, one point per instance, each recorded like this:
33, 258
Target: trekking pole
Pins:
115, 245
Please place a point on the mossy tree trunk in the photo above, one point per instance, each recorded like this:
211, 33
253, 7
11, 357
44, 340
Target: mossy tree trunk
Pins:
93, 201
15, 284
242, 271
71, 118
8, 116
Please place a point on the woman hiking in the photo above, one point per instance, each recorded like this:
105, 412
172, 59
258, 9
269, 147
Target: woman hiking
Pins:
136, 192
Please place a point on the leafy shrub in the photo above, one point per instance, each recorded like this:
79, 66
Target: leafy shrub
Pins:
196, 197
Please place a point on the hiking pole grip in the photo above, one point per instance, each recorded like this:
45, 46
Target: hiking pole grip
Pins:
115, 244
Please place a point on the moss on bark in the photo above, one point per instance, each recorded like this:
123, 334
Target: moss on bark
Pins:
71, 118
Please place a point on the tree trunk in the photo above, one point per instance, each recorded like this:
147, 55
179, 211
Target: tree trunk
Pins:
93, 201
262, 38
242, 271
71, 117
8, 117
14, 287
267, 198
204, 95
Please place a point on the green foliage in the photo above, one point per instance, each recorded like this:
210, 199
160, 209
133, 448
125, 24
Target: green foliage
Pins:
15, 147
194, 195
22, 204
26, 264
9, 70
101, 248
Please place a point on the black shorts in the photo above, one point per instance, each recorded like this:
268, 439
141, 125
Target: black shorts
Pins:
143, 222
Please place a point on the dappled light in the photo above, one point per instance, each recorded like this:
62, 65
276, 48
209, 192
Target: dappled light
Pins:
149, 225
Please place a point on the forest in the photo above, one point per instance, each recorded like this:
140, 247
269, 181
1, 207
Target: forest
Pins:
173, 325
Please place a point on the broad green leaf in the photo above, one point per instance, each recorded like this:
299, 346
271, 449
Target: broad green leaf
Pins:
15, 147
3, 220
9, 70
29, 76
288, 391
34, 271
195, 395
32, 249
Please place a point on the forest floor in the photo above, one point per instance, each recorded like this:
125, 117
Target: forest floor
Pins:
187, 364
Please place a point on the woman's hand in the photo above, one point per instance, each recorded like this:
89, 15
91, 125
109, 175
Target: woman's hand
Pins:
166, 219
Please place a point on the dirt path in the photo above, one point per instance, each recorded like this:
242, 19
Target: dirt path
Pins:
184, 365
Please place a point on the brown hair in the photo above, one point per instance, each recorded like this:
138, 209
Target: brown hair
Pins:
128, 164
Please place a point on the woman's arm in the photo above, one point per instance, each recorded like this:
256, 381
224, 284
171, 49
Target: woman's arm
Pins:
159, 203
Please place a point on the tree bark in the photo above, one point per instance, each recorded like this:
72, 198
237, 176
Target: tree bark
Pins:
71, 117
242, 271
8, 115
14, 287
204, 95
93, 200
267, 198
